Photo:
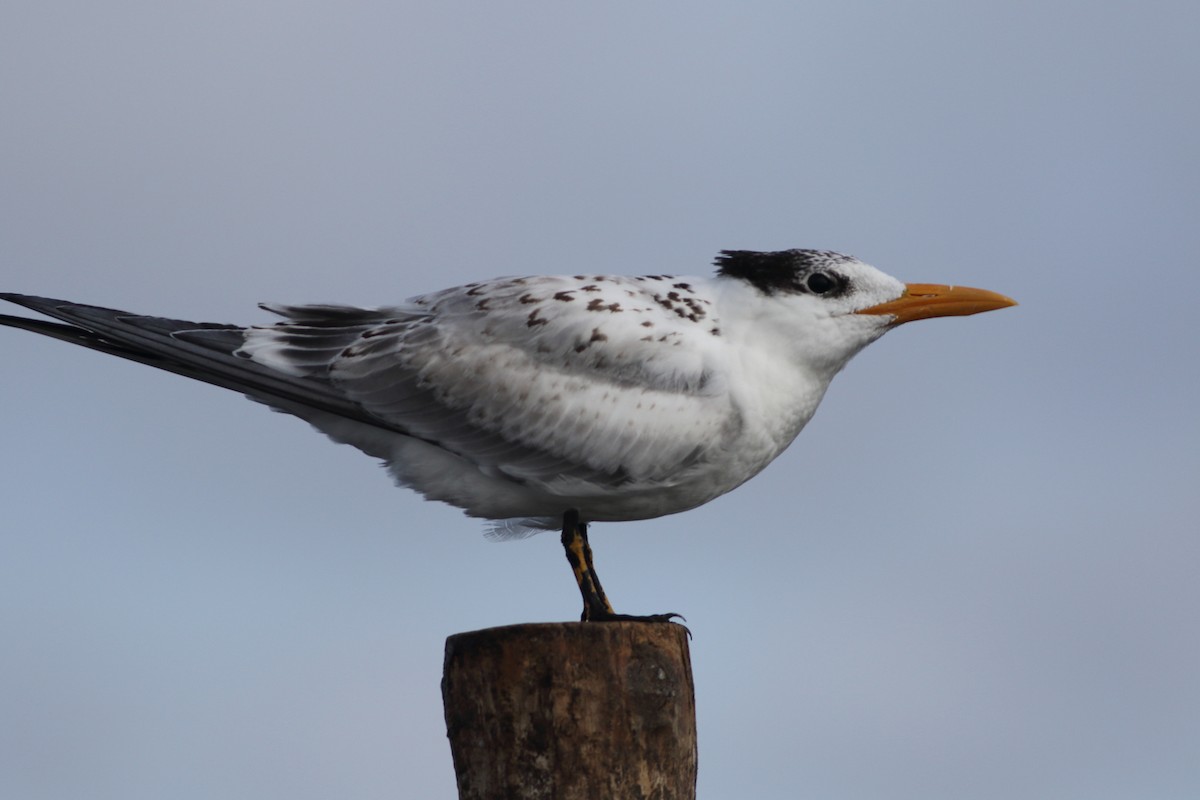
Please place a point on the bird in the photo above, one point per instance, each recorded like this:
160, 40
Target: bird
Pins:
552, 402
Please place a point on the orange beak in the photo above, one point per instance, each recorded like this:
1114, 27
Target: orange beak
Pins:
926, 300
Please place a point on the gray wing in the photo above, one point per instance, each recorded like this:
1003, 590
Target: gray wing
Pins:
201, 350
541, 392
573, 384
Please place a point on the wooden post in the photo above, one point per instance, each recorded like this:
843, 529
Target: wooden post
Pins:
572, 711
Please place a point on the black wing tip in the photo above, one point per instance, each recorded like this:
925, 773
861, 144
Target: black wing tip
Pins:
28, 300
41, 304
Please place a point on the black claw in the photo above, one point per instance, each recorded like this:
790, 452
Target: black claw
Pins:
607, 617
659, 618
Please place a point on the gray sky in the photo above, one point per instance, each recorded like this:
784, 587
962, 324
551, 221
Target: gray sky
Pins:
974, 576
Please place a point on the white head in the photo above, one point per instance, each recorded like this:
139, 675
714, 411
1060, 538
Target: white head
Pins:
828, 306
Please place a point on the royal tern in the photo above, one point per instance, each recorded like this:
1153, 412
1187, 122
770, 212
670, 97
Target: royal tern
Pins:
553, 401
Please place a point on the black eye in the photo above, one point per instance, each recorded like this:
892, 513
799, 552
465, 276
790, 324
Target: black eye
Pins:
820, 283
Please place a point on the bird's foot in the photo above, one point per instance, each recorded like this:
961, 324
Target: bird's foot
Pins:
596, 607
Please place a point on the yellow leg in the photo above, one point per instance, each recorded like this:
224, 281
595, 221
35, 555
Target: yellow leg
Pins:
596, 607
579, 555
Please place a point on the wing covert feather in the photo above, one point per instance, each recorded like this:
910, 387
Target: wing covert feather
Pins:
537, 378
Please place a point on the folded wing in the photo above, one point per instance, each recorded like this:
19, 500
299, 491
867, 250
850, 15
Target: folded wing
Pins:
519, 377
575, 385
